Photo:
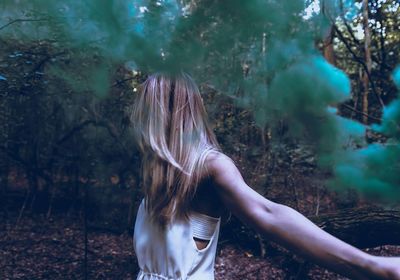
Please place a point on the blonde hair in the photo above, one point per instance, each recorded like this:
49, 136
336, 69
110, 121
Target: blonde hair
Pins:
173, 134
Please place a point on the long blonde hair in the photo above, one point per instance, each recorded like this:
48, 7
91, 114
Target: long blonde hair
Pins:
174, 136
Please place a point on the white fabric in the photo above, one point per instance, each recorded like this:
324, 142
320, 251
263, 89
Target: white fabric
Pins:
203, 226
171, 254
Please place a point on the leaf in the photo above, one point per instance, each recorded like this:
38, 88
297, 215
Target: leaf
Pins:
114, 179
248, 254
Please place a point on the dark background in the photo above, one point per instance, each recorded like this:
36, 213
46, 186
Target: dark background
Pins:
70, 172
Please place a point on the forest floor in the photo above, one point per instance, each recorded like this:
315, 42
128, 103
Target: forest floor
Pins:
40, 248
54, 248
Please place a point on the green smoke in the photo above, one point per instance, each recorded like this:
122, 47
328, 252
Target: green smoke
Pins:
375, 168
261, 52
214, 37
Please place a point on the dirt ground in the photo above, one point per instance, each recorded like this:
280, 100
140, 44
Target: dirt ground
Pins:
40, 248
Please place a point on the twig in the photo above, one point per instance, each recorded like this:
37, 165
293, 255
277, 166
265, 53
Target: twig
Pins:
263, 250
347, 24
359, 60
21, 211
53, 194
318, 202
357, 42
117, 83
362, 113
20, 20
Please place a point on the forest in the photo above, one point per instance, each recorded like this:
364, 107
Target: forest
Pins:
302, 95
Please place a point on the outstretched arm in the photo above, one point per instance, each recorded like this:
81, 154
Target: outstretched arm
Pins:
291, 229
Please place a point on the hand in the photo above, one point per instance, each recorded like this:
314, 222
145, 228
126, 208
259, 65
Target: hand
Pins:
387, 268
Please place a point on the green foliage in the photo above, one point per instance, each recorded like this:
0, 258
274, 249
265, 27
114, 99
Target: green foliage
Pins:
261, 53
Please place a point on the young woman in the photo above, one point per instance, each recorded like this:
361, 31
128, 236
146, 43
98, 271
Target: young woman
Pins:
188, 183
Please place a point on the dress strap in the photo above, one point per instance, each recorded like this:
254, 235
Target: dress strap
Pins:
203, 226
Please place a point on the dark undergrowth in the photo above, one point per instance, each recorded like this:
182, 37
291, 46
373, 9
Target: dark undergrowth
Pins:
42, 248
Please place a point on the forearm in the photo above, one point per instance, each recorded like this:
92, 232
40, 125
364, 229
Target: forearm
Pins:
291, 229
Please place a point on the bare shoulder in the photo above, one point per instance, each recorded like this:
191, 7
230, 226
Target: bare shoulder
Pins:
236, 195
222, 170
218, 163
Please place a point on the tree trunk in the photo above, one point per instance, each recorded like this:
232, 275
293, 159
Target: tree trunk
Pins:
327, 42
327, 50
363, 228
368, 63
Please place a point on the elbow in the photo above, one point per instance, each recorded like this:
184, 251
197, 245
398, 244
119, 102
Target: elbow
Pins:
264, 216
270, 208
272, 218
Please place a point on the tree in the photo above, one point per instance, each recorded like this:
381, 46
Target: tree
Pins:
368, 62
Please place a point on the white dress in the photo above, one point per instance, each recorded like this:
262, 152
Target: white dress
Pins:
172, 254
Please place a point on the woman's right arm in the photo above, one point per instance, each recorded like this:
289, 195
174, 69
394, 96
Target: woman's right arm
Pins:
291, 229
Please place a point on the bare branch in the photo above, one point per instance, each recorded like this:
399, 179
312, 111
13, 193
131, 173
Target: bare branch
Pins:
360, 61
20, 20
362, 113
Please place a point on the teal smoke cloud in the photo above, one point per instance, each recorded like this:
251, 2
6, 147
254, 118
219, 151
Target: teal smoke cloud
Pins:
261, 52
374, 169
